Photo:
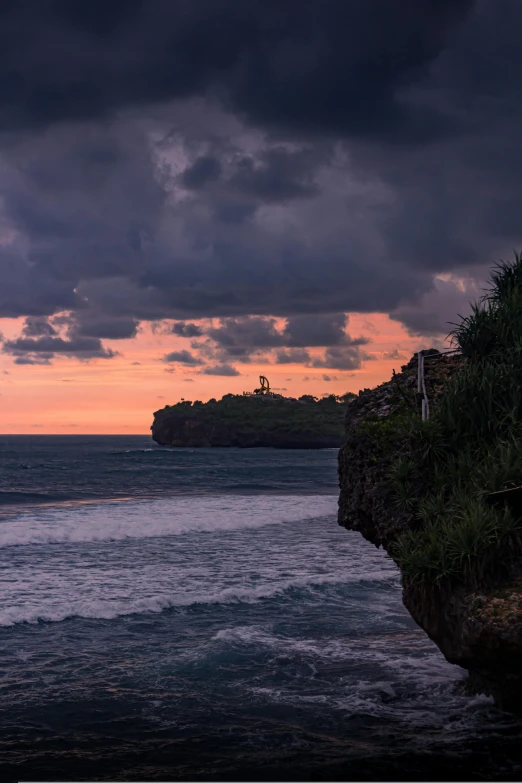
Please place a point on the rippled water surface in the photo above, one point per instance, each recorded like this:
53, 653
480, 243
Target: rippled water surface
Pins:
176, 614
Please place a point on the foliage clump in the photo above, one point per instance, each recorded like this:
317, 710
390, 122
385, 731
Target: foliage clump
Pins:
471, 446
262, 416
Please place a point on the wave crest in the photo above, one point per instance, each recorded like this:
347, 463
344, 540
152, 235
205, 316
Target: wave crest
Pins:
110, 609
150, 519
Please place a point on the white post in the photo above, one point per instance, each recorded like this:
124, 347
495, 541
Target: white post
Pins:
421, 388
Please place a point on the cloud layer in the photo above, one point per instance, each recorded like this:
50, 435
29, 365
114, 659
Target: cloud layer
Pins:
245, 162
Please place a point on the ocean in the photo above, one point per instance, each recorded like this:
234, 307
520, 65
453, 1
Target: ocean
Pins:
177, 614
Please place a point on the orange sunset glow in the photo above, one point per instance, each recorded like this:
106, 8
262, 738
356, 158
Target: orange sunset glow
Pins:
119, 395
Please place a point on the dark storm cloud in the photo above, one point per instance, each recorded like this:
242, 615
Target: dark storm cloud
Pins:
183, 357
40, 341
241, 336
340, 359
333, 66
79, 347
436, 311
221, 369
200, 159
83, 220
292, 356
26, 290
38, 327
245, 338
186, 329
246, 333
346, 357
36, 359
115, 329
203, 170
230, 211
91, 324
394, 355
278, 175
320, 330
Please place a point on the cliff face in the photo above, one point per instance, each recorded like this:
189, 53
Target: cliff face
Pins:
195, 433
480, 631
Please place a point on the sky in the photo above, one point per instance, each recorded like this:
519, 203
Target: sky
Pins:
194, 193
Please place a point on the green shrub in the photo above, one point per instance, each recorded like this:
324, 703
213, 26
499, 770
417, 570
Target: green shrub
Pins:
471, 544
475, 335
472, 445
506, 279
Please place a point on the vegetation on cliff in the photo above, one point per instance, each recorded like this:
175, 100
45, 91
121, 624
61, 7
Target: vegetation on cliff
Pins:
470, 447
254, 420
422, 490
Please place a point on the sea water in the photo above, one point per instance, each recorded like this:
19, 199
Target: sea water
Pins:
199, 614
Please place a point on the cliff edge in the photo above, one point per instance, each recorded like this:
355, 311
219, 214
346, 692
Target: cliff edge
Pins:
401, 489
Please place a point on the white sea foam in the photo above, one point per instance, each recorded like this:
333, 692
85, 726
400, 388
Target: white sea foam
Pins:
150, 519
411, 664
64, 607
160, 554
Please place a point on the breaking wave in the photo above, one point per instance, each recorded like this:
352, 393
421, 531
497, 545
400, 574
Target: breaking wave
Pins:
109, 609
173, 517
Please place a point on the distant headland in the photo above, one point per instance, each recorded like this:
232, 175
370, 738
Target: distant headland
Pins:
254, 419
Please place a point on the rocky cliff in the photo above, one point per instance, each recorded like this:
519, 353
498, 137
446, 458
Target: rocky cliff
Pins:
478, 629
251, 421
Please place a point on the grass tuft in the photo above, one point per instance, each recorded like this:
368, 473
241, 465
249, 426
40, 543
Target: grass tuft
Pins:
472, 445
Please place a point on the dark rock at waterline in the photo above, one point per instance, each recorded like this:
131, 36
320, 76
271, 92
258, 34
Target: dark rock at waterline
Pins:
479, 631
